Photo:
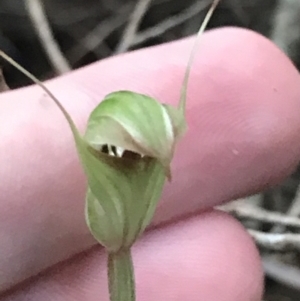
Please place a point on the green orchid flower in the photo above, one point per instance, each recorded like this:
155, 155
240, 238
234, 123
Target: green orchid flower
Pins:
126, 153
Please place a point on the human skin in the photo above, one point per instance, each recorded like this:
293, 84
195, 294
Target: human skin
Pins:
243, 114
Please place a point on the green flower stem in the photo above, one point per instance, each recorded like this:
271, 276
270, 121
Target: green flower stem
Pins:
121, 276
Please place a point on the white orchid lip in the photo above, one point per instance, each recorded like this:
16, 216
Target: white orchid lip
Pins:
119, 152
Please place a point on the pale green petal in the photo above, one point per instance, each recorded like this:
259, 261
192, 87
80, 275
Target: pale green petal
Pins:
147, 185
178, 121
126, 190
100, 223
135, 122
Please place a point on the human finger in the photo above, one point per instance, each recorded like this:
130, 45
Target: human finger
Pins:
243, 136
208, 257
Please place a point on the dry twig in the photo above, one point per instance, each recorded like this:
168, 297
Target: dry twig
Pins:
97, 36
281, 272
276, 241
274, 268
262, 215
170, 23
3, 85
38, 17
134, 22
293, 211
286, 26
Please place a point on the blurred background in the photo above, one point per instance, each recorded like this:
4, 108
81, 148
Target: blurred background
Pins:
84, 31
50, 37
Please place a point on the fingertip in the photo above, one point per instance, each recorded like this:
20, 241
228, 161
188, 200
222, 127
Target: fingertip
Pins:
243, 136
208, 257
